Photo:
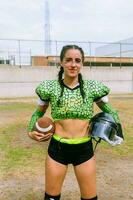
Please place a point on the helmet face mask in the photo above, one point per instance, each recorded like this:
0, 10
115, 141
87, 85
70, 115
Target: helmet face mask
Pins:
102, 130
103, 126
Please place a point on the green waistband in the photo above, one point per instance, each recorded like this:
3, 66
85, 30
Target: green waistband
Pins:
71, 141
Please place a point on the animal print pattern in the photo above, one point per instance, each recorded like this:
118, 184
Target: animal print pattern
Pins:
71, 103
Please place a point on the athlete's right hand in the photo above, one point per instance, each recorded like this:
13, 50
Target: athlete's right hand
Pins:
40, 137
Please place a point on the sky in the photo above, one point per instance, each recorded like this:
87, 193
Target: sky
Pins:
70, 20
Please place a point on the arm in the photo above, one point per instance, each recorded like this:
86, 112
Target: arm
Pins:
43, 92
39, 112
99, 92
106, 107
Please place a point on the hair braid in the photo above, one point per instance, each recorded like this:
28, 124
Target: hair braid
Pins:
60, 74
81, 84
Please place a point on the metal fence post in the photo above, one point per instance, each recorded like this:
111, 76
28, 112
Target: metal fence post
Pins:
30, 58
56, 49
120, 54
19, 53
90, 52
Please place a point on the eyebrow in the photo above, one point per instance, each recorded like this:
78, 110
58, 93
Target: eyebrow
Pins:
72, 58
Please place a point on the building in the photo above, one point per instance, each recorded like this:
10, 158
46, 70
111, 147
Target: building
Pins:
89, 61
122, 48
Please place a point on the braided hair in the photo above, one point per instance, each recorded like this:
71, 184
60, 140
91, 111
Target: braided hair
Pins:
60, 74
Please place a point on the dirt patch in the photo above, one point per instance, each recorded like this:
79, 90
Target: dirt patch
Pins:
114, 181
114, 172
115, 176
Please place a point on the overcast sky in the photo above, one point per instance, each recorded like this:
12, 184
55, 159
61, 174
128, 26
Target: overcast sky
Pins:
79, 20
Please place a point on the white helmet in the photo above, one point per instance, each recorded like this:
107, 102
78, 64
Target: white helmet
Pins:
103, 126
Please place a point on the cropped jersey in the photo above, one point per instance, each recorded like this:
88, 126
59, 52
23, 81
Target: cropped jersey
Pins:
71, 103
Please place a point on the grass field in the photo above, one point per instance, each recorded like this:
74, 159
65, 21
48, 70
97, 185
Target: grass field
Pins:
22, 159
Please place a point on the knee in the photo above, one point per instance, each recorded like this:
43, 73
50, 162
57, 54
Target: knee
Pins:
48, 197
94, 198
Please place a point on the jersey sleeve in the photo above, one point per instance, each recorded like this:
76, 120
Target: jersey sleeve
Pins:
106, 107
98, 89
43, 90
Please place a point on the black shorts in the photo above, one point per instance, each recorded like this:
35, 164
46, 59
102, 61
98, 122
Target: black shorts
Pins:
70, 153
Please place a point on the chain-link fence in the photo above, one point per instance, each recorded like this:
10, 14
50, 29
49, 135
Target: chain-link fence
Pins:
19, 52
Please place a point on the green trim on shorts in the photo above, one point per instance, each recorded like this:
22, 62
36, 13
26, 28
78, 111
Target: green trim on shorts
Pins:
71, 141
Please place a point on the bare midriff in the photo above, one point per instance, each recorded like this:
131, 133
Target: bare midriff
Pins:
72, 128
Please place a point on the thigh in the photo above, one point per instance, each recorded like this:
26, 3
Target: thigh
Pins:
54, 176
86, 177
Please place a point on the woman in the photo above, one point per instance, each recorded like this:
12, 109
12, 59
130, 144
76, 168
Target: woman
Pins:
71, 99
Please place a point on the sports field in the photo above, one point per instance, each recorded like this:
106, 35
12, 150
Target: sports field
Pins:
22, 159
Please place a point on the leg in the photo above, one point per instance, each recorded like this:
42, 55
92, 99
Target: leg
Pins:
54, 176
86, 177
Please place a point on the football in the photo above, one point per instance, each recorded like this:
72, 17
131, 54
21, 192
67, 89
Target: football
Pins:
45, 125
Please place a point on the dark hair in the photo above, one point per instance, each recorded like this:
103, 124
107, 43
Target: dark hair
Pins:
60, 74
67, 47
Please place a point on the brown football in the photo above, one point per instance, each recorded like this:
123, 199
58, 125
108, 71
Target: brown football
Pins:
44, 125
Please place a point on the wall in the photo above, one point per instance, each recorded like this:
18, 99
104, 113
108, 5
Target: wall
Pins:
21, 82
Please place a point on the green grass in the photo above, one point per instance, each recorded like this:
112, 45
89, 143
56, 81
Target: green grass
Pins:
16, 106
18, 152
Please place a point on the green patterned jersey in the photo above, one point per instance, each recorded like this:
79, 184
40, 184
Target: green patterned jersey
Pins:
71, 105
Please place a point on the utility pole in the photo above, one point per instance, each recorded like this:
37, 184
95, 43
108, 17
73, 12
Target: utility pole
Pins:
47, 29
